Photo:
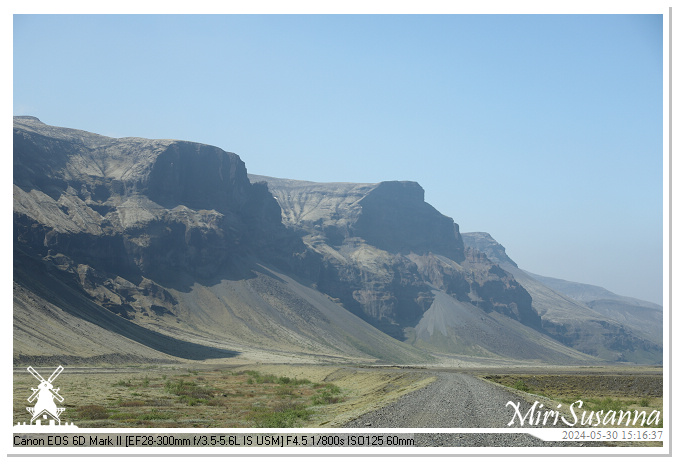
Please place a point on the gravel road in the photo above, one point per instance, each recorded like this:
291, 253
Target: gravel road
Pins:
454, 400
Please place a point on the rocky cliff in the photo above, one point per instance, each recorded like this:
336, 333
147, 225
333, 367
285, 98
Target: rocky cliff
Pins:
137, 206
164, 249
587, 318
384, 250
168, 240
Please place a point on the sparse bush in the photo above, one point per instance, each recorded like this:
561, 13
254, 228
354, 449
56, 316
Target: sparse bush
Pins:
281, 416
191, 401
295, 381
331, 387
605, 404
257, 377
180, 387
92, 412
325, 398
285, 390
521, 385
188, 392
328, 394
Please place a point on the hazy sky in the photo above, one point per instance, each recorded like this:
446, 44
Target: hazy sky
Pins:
545, 131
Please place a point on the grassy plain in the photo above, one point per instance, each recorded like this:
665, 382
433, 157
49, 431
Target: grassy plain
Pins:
219, 396
302, 395
608, 390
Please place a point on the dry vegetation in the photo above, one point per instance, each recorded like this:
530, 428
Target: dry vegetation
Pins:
225, 397
608, 392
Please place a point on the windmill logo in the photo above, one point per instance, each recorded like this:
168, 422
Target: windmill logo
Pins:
45, 408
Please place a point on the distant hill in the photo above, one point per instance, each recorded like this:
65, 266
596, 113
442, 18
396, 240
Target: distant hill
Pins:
588, 318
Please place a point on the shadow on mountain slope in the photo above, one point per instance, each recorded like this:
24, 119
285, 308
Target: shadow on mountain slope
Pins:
47, 283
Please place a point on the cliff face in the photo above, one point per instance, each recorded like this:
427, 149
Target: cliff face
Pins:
395, 218
589, 319
129, 217
384, 250
172, 245
485, 243
481, 283
136, 206
162, 243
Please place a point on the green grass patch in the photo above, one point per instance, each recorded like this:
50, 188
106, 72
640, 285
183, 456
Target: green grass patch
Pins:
257, 377
521, 385
606, 404
327, 394
281, 416
296, 396
154, 415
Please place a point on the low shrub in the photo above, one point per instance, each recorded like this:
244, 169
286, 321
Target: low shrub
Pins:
328, 394
521, 385
92, 412
605, 404
188, 392
280, 417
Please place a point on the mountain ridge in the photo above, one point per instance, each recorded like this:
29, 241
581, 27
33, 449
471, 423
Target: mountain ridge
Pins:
608, 326
146, 248
171, 249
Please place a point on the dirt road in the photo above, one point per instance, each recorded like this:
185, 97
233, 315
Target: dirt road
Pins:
455, 400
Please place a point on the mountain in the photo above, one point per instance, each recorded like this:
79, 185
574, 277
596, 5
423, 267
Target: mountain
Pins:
129, 249
399, 264
588, 318
642, 315
162, 249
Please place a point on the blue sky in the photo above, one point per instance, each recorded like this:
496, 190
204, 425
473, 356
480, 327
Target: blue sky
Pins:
544, 130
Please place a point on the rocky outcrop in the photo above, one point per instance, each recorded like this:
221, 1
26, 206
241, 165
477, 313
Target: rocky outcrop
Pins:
173, 242
123, 214
485, 243
395, 218
138, 207
482, 283
587, 318
384, 249
164, 248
